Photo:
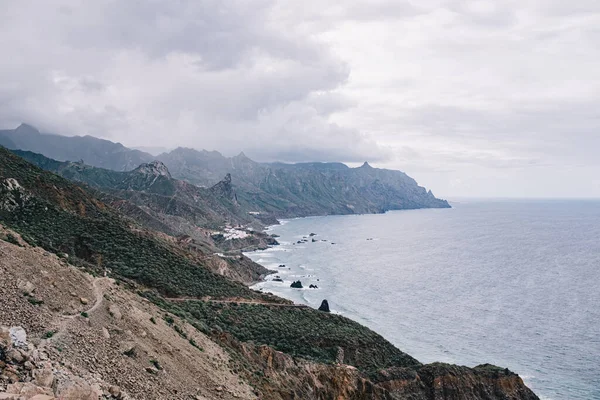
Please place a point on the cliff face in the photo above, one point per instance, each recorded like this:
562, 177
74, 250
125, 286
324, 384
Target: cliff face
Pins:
286, 378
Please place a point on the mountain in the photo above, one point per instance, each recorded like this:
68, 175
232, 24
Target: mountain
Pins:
96, 306
274, 190
292, 190
93, 151
150, 196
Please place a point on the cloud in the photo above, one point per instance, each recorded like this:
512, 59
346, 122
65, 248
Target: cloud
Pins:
436, 87
223, 75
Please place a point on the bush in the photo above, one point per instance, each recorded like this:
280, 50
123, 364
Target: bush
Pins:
10, 238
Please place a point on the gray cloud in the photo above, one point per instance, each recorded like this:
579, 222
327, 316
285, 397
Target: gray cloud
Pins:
454, 91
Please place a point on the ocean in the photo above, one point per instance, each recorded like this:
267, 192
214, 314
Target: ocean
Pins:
512, 283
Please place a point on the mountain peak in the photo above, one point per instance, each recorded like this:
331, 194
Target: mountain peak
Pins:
366, 165
155, 168
26, 128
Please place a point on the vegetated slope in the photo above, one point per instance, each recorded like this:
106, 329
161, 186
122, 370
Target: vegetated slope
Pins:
150, 185
64, 218
321, 353
150, 196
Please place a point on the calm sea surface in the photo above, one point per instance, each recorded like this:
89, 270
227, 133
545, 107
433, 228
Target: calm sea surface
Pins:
513, 283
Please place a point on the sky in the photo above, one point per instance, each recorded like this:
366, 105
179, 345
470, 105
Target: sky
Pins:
484, 98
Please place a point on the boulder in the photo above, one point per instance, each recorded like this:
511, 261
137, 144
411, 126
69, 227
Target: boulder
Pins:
324, 306
296, 285
25, 287
115, 312
313, 286
18, 336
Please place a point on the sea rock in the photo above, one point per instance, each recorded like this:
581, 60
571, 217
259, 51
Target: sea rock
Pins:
282, 266
296, 285
324, 306
313, 286
312, 234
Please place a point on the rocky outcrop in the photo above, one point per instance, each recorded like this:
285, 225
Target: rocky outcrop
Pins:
284, 377
27, 373
154, 168
296, 285
324, 306
224, 189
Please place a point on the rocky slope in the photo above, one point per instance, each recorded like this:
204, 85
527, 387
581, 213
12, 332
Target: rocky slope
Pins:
89, 338
107, 305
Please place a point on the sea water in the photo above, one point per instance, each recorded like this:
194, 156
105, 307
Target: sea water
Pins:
512, 283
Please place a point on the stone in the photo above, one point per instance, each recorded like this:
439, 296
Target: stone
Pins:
115, 312
25, 286
10, 396
44, 377
42, 397
115, 391
15, 356
77, 388
324, 306
18, 336
105, 333
83, 300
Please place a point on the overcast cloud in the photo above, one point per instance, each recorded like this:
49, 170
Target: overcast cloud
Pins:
471, 97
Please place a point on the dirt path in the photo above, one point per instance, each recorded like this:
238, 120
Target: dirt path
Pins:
66, 319
236, 301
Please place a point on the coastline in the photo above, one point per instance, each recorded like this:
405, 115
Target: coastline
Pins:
433, 341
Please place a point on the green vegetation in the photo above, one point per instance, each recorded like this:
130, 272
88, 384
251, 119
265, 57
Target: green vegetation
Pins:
180, 331
34, 301
49, 334
156, 364
153, 320
85, 315
130, 353
193, 343
63, 218
10, 238
298, 331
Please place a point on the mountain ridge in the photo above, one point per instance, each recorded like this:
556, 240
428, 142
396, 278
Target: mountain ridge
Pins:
276, 190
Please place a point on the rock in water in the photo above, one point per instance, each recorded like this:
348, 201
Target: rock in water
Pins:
296, 285
324, 306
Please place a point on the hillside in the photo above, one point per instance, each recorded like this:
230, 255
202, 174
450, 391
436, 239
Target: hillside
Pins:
150, 196
57, 239
274, 190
